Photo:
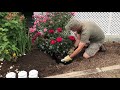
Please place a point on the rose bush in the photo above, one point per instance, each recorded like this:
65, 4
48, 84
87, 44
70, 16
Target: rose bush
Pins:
48, 32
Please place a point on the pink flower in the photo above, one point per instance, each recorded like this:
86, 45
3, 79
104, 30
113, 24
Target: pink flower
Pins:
59, 39
59, 29
51, 31
38, 24
39, 16
47, 18
34, 26
72, 38
42, 16
35, 36
52, 42
31, 30
45, 29
36, 13
40, 21
47, 13
38, 34
33, 40
73, 13
44, 20
52, 15
35, 23
35, 16
42, 33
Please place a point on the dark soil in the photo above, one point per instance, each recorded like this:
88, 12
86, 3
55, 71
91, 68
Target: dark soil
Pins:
47, 66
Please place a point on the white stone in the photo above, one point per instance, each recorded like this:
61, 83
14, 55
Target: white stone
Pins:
11, 75
24, 54
16, 70
22, 74
1, 76
98, 69
11, 67
33, 74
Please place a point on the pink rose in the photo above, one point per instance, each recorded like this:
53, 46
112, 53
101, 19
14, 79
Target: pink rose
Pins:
44, 20
34, 26
35, 23
31, 30
38, 34
51, 31
45, 29
35, 36
59, 39
47, 13
72, 38
52, 42
59, 29
38, 24
73, 13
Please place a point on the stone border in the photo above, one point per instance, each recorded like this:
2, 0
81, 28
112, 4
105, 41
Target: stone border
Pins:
85, 72
111, 38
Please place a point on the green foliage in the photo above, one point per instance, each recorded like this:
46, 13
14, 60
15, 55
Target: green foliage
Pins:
14, 36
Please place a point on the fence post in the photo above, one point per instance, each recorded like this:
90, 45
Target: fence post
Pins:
109, 23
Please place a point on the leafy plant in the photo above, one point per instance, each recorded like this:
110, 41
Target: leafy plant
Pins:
14, 38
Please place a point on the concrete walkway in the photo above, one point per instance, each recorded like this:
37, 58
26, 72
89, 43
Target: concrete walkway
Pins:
104, 72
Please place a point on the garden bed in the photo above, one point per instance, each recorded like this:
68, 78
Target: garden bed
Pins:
47, 66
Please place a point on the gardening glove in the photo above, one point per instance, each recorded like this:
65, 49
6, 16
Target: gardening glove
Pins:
71, 50
66, 59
